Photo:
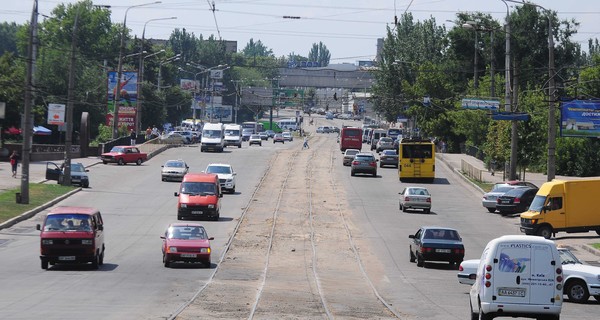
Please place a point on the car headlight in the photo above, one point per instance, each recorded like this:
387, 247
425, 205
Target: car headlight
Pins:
204, 250
87, 241
230, 180
172, 249
211, 206
183, 205
47, 241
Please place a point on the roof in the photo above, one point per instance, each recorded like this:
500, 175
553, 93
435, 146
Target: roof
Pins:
73, 210
200, 177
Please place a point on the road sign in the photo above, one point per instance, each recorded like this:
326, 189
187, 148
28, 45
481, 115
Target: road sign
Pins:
511, 116
480, 104
56, 114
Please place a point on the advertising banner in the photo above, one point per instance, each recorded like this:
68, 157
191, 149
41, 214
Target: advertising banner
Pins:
218, 112
288, 97
187, 84
580, 118
56, 114
127, 96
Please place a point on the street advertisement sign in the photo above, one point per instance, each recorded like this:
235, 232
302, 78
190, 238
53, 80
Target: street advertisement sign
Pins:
127, 98
480, 104
580, 118
187, 84
288, 97
56, 114
219, 112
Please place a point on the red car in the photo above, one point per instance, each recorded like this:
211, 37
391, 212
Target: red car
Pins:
123, 155
186, 242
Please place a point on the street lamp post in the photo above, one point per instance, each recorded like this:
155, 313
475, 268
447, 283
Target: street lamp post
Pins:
138, 118
551, 161
120, 70
162, 63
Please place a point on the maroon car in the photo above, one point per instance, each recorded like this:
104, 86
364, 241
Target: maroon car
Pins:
186, 242
123, 155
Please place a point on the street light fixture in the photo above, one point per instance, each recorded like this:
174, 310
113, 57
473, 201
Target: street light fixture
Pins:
120, 70
162, 63
138, 117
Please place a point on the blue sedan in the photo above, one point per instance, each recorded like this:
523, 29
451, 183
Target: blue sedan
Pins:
436, 244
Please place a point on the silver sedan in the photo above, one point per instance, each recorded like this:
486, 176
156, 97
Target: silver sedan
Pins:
415, 198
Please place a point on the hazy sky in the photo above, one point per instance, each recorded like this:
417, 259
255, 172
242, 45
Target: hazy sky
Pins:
349, 28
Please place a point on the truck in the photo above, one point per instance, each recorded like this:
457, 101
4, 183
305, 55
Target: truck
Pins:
213, 137
233, 135
563, 205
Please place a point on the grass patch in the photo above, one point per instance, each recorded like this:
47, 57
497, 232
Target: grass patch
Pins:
485, 186
39, 193
596, 245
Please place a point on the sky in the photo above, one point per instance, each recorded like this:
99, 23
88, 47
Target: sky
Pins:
348, 28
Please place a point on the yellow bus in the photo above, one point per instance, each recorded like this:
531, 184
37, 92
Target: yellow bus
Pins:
416, 159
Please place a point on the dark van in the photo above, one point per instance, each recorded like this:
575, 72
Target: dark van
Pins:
72, 235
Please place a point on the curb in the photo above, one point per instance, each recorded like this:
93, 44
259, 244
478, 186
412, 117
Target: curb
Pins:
457, 171
590, 249
36, 210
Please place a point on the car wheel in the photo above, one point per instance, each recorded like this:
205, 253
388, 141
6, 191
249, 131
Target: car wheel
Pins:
101, 258
163, 179
404, 209
483, 316
352, 173
577, 291
206, 264
96, 262
545, 231
121, 162
104, 162
179, 217
412, 256
374, 174
491, 210
86, 185
239, 146
420, 261
597, 298
165, 261
139, 162
381, 165
44, 264
426, 211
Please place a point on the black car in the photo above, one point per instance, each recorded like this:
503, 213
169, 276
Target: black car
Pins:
388, 158
79, 174
436, 244
515, 200
364, 162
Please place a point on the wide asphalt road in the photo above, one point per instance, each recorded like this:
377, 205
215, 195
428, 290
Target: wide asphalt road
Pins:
137, 206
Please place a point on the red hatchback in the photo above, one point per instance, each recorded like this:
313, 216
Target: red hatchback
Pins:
186, 242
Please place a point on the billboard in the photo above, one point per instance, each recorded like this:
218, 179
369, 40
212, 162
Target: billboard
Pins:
288, 97
219, 112
127, 97
56, 114
481, 104
580, 118
187, 84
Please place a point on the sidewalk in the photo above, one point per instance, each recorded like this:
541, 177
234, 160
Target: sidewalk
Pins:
579, 243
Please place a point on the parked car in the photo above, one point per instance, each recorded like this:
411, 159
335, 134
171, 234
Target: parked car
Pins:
172, 138
123, 155
278, 137
174, 170
384, 143
255, 139
388, 158
189, 137
79, 174
186, 242
287, 136
349, 156
415, 198
516, 200
436, 244
364, 162
263, 135
324, 129
580, 280
225, 173
334, 129
490, 199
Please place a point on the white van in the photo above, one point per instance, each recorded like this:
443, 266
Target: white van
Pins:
213, 137
233, 135
518, 276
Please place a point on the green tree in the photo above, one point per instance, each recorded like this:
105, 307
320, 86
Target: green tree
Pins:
256, 49
320, 54
8, 37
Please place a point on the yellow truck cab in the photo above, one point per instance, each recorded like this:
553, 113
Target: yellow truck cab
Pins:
561, 205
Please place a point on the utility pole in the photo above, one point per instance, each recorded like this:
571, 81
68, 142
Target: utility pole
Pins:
551, 118
69, 117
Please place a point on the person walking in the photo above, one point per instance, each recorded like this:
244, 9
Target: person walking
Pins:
305, 145
133, 137
14, 162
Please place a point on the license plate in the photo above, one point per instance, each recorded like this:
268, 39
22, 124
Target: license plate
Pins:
442, 250
511, 292
505, 201
196, 212
67, 258
189, 255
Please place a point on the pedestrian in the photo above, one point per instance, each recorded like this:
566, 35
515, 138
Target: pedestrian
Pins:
155, 132
14, 162
305, 145
133, 137
148, 133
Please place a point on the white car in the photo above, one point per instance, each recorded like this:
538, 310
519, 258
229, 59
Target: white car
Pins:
226, 175
174, 170
287, 136
580, 280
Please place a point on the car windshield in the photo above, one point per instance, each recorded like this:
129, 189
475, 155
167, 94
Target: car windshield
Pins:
186, 233
254, 136
537, 203
211, 133
174, 164
196, 188
117, 150
77, 167
567, 257
218, 169
68, 222
232, 132
441, 234
418, 192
